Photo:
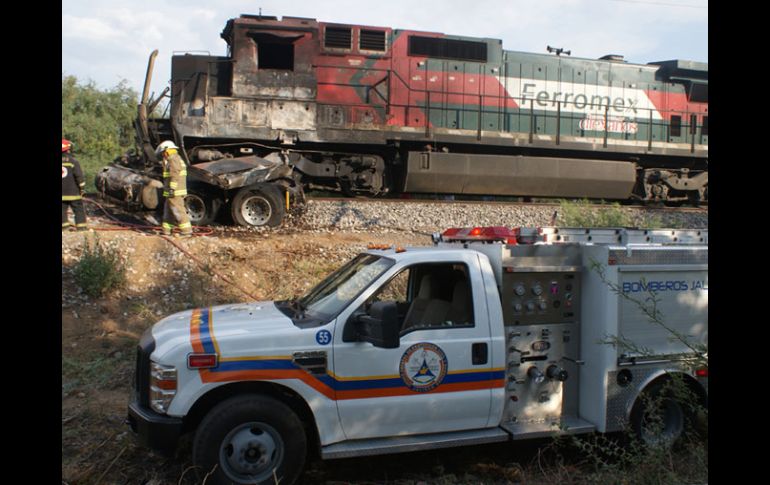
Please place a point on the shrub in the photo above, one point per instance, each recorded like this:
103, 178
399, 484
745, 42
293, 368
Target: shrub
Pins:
99, 269
581, 214
99, 122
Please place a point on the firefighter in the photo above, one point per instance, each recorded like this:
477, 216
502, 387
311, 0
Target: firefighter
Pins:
72, 188
174, 190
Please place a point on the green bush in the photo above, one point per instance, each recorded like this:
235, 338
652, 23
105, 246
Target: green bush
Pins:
618, 459
99, 122
99, 269
581, 213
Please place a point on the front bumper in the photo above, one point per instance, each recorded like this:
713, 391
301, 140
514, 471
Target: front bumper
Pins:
155, 431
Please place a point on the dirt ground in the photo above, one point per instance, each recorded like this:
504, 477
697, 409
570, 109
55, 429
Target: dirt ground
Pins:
99, 336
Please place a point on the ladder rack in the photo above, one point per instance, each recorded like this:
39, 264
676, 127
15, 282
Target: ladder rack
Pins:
558, 235
620, 236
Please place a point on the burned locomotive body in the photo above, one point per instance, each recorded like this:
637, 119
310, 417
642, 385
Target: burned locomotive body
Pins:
365, 102
371, 110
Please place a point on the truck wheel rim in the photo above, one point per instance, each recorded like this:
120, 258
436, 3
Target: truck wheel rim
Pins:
195, 207
256, 210
250, 452
664, 425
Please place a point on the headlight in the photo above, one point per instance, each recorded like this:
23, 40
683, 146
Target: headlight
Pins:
162, 386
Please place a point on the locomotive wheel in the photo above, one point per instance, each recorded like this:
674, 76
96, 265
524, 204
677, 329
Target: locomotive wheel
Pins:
250, 439
693, 197
345, 188
257, 206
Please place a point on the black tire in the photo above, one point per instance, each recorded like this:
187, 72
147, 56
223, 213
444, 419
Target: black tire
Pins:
250, 439
658, 418
258, 206
201, 207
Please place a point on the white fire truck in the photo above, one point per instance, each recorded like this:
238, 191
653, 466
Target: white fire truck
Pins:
489, 335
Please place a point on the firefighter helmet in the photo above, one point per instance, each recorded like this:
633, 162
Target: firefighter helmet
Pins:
65, 145
165, 146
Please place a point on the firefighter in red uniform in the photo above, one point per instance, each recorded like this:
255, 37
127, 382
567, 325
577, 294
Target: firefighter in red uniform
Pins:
174, 189
72, 188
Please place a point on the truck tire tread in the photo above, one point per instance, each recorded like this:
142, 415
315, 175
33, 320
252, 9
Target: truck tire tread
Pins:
235, 412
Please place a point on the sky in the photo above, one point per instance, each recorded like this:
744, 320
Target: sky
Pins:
107, 41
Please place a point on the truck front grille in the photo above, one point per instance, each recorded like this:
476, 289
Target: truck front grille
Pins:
142, 372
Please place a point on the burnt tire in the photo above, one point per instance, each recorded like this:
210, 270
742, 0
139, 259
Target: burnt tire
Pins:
250, 439
258, 206
200, 207
658, 418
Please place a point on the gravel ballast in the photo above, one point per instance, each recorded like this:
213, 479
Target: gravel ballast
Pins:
437, 216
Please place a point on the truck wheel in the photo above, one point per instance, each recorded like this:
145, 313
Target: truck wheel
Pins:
200, 208
257, 206
657, 418
250, 439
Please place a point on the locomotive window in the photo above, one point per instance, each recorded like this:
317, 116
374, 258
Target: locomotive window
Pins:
704, 130
461, 50
372, 40
338, 37
275, 56
676, 125
274, 51
699, 93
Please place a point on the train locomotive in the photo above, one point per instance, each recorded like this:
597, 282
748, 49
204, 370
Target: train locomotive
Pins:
299, 104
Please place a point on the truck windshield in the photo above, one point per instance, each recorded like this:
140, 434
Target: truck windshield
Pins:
337, 290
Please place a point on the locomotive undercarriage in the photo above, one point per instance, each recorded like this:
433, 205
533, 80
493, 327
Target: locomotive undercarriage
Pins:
673, 185
349, 173
352, 171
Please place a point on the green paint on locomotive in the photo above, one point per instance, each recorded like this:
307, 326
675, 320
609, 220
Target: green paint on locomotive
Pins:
558, 95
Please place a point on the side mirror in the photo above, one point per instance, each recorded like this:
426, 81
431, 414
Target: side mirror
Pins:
379, 326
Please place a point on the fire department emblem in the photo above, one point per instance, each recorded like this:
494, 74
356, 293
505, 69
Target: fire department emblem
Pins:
64, 172
423, 367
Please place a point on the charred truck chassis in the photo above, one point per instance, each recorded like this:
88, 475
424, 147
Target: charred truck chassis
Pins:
372, 110
255, 189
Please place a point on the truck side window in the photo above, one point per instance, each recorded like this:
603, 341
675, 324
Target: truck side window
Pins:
430, 296
395, 289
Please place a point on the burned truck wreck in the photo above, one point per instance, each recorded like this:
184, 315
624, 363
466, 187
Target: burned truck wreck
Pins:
254, 187
258, 190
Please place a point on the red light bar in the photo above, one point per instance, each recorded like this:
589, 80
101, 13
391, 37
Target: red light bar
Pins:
490, 233
201, 361
702, 372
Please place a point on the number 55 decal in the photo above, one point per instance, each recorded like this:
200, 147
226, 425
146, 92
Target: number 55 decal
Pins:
323, 337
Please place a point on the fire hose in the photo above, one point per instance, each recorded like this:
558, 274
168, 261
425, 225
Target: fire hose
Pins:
197, 231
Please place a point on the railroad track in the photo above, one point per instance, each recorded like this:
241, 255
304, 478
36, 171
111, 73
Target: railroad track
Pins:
555, 205
423, 215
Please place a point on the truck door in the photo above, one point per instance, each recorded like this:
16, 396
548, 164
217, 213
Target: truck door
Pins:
439, 378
